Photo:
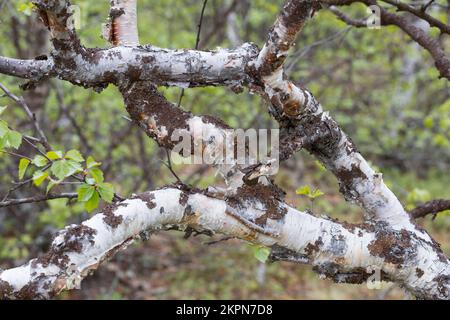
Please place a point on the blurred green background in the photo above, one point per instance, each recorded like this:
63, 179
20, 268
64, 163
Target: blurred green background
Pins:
381, 87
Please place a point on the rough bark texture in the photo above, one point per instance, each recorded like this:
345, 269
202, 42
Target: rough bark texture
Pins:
341, 252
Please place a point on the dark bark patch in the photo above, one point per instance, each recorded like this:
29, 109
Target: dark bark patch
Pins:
346, 176
312, 248
188, 211
357, 275
74, 239
269, 196
215, 121
394, 246
116, 12
184, 197
419, 272
443, 282
148, 198
110, 218
6, 290
144, 103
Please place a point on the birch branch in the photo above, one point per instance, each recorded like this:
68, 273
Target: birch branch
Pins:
434, 48
27, 69
430, 207
341, 252
305, 125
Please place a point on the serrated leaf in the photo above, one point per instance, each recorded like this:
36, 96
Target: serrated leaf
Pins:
304, 190
85, 192
92, 203
3, 128
75, 155
54, 155
39, 161
2, 143
14, 139
23, 165
106, 191
90, 163
65, 168
51, 184
39, 177
75, 166
97, 174
90, 181
262, 254
316, 193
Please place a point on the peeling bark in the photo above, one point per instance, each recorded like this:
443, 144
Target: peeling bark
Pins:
123, 29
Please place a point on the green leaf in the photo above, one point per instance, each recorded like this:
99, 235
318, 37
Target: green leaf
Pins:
14, 139
74, 155
85, 192
26, 8
320, 165
2, 143
65, 168
23, 165
54, 155
90, 163
304, 190
316, 193
428, 122
92, 203
90, 181
2, 109
39, 161
51, 184
106, 191
39, 177
3, 128
97, 174
262, 254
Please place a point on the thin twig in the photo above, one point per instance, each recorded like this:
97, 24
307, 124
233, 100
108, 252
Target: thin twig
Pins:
197, 41
21, 102
220, 240
39, 198
169, 166
15, 154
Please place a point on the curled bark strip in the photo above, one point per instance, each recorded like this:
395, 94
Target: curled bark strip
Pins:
122, 23
341, 252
